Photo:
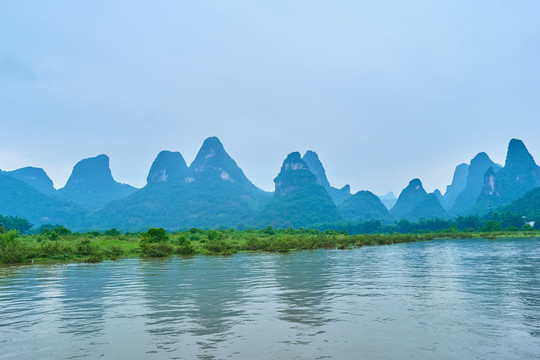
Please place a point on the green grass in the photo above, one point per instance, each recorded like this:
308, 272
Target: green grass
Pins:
96, 247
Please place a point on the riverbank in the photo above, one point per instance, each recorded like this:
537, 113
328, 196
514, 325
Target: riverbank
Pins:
61, 246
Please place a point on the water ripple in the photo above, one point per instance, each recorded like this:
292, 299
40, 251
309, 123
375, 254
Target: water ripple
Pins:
442, 299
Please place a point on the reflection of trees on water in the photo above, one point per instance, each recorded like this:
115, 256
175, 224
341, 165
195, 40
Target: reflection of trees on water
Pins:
303, 289
198, 299
84, 292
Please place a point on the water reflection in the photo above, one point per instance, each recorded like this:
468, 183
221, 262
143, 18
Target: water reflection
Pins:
303, 290
187, 299
442, 299
83, 288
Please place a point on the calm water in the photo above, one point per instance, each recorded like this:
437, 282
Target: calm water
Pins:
460, 299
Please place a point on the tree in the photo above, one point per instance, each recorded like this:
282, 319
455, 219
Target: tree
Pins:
491, 226
155, 235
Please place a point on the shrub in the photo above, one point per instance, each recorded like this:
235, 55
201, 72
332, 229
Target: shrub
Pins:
159, 249
185, 248
85, 247
279, 244
53, 235
253, 243
95, 258
220, 247
12, 251
114, 252
112, 232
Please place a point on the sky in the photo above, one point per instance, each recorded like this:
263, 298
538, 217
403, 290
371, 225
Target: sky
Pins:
383, 91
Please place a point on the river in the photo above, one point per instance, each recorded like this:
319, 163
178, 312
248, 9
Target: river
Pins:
442, 299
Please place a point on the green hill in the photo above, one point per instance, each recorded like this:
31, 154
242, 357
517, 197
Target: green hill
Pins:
213, 192
298, 201
414, 202
91, 184
17, 198
363, 206
519, 175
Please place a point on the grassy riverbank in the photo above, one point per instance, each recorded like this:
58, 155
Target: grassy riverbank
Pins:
61, 246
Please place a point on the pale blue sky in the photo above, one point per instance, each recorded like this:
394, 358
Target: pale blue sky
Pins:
383, 91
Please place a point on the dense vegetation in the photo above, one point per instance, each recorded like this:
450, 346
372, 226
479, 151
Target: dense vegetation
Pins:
14, 223
60, 245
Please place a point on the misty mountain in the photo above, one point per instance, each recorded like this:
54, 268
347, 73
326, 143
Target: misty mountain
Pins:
459, 182
467, 198
298, 200
212, 192
167, 167
91, 184
36, 177
414, 202
18, 198
363, 206
519, 175
316, 167
388, 200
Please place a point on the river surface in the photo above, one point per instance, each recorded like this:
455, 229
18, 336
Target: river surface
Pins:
443, 299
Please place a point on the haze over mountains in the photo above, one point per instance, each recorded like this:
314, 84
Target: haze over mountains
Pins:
214, 192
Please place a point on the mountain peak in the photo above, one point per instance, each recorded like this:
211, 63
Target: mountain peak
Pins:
415, 184
92, 170
518, 155
214, 163
480, 158
92, 185
168, 166
298, 199
294, 172
316, 167
294, 162
37, 177
212, 142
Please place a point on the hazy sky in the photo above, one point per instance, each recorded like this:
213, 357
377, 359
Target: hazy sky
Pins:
383, 91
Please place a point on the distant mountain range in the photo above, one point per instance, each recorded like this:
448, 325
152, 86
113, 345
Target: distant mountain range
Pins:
214, 192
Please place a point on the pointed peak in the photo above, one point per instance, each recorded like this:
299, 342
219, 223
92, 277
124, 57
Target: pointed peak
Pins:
346, 188
212, 142
365, 193
294, 173
415, 183
294, 162
294, 156
389, 195
518, 154
168, 166
212, 153
316, 167
213, 163
480, 157
311, 154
